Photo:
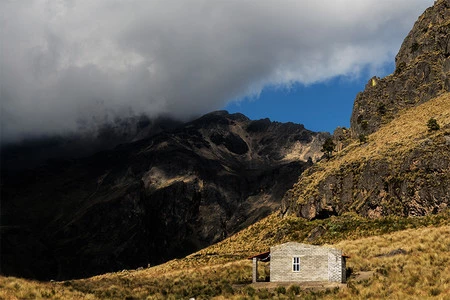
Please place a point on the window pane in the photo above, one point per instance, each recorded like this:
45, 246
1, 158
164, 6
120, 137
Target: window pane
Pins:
296, 264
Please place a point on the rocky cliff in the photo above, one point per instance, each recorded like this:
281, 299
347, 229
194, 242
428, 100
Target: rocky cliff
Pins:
422, 73
151, 200
403, 169
399, 166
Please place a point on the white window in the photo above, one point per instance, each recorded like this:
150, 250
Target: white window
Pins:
296, 264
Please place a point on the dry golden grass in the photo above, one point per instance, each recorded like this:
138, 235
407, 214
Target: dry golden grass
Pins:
390, 142
274, 230
422, 272
222, 272
12, 288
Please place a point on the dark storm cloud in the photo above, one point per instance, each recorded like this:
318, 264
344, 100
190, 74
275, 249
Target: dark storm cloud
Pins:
69, 63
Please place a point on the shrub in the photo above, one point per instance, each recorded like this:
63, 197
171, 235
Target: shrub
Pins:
228, 289
264, 294
280, 290
359, 119
67, 283
48, 294
294, 289
250, 291
364, 124
382, 109
435, 292
17, 286
414, 47
433, 125
328, 147
362, 139
413, 280
383, 271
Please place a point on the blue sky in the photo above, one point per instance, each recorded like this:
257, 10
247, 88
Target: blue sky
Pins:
320, 107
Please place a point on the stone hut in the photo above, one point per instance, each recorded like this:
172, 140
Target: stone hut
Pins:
295, 262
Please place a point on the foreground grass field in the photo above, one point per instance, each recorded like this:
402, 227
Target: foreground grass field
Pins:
409, 258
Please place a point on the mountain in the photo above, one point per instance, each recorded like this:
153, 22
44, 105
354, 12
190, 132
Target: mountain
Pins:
398, 166
33, 152
150, 200
422, 73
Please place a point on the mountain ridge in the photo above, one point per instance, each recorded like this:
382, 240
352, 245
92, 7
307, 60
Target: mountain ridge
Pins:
153, 199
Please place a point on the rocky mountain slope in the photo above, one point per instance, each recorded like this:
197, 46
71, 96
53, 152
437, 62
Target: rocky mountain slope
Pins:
422, 73
403, 168
151, 200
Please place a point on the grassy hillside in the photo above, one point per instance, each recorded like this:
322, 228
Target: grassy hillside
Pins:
393, 140
421, 269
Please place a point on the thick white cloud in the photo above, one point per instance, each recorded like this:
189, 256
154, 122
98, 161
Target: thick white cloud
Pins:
64, 63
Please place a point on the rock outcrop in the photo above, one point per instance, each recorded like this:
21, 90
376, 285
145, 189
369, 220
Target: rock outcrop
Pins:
397, 166
422, 73
403, 169
151, 200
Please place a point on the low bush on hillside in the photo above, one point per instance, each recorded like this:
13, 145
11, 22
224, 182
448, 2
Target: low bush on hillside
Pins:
433, 125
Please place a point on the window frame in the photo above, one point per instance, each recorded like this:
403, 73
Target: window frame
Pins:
296, 264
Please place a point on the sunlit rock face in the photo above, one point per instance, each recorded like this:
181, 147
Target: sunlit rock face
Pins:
422, 73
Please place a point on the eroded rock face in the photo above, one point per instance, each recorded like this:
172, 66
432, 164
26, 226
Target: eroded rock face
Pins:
415, 185
422, 72
150, 200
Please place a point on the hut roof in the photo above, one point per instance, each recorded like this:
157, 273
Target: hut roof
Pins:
264, 256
